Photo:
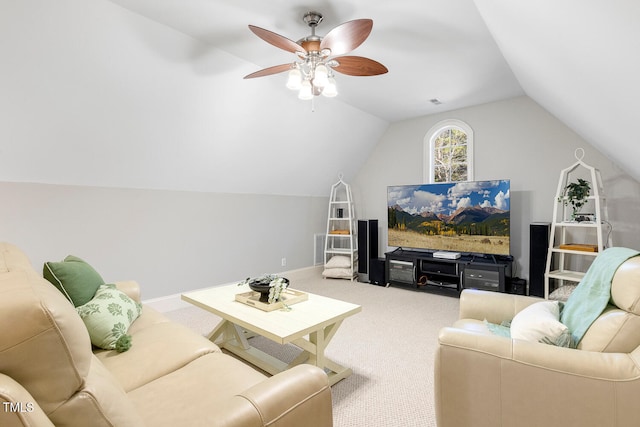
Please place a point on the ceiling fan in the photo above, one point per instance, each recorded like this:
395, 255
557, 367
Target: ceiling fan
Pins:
312, 72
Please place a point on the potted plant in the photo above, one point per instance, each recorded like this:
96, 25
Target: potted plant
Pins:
270, 286
576, 194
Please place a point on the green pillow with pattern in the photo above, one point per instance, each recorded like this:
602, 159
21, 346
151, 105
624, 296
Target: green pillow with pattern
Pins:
108, 316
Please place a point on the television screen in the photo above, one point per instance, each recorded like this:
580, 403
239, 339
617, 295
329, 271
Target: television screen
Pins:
469, 217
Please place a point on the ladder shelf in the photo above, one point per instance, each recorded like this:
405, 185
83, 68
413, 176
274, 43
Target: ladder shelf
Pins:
568, 261
341, 239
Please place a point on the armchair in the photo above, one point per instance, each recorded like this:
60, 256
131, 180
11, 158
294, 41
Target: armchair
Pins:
482, 379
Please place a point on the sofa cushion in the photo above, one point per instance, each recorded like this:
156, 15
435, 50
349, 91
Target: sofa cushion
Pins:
158, 350
614, 331
218, 376
108, 316
46, 348
100, 402
75, 278
625, 286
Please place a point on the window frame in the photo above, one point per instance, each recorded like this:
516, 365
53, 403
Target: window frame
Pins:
429, 145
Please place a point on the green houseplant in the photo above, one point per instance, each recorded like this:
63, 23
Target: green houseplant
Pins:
576, 194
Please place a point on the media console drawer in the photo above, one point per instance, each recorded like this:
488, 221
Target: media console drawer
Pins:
401, 271
490, 278
439, 267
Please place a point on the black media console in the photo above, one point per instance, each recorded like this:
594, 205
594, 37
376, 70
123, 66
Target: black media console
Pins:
420, 270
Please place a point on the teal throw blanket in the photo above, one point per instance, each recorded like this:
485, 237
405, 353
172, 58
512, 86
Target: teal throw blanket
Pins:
592, 294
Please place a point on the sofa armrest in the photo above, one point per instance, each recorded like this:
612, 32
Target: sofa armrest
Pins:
573, 387
495, 307
18, 407
296, 397
129, 287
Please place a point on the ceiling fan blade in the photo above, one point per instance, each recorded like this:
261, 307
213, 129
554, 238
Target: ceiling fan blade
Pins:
268, 71
358, 66
277, 40
348, 36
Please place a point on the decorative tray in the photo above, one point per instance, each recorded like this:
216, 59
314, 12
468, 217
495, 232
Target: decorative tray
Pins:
288, 297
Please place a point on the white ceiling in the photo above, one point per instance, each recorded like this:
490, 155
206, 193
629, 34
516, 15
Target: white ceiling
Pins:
156, 85
433, 49
579, 60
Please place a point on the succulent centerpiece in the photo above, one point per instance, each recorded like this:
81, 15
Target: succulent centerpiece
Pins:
270, 286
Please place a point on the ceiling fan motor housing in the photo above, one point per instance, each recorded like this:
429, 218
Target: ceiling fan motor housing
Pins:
311, 43
312, 19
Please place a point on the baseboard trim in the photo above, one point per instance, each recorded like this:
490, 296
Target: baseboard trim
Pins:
167, 303
174, 302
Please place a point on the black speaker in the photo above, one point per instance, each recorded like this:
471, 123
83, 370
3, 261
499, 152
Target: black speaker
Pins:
538, 248
376, 271
517, 286
367, 244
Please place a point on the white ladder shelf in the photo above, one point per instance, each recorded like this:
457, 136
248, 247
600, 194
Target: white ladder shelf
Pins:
341, 239
565, 263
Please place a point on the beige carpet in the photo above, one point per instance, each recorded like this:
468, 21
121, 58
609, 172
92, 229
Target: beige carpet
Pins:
389, 345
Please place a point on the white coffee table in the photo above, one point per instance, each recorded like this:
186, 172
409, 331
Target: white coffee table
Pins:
309, 325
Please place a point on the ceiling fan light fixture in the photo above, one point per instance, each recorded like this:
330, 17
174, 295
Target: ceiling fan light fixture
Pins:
321, 76
294, 82
306, 91
330, 89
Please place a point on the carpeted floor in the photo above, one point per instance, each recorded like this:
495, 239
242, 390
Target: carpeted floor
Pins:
389, 345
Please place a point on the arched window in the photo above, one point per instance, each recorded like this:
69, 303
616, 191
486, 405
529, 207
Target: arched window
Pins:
448, 148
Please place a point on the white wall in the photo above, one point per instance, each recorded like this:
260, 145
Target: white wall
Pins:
514, 139
169, 241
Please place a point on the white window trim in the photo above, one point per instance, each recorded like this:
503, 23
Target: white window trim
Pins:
429, 141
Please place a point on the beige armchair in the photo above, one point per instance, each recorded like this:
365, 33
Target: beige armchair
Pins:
482, 379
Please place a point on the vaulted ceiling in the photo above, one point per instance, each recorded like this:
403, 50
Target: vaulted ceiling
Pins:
433, 49
579, 60
119, 70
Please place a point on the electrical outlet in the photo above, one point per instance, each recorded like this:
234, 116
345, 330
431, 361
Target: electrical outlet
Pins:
284, 262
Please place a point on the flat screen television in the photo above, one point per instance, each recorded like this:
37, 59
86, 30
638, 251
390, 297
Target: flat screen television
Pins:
468, 217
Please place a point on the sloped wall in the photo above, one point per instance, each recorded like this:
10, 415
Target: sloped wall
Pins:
94, 94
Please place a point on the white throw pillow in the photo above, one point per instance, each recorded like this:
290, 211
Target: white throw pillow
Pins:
338, 261
538, 321
337, 273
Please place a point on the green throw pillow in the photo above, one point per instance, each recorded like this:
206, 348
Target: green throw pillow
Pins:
108, 317
76, 279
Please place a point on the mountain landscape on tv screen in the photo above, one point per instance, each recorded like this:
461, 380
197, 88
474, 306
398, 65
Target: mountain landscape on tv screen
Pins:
471, 217
476, 220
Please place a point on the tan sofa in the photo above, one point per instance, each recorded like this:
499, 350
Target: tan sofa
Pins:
171, 376
486, 380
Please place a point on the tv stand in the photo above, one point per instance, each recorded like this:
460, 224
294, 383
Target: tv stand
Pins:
422, 271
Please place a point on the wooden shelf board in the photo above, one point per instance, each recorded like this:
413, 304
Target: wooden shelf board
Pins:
574, 276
